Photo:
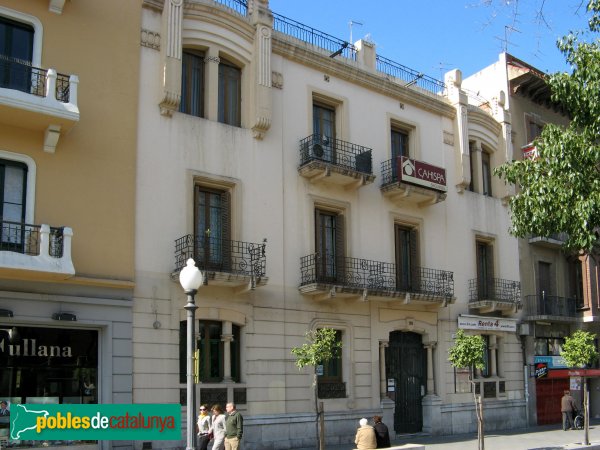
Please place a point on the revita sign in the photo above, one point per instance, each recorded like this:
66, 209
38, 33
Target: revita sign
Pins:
486, 323
423, 174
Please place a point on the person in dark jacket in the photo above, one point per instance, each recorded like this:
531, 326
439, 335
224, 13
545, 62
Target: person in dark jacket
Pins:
381, 433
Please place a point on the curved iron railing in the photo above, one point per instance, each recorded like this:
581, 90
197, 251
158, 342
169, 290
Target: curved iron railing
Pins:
550, 305
375, 276
21, 76
221, 255
336, 152
239, 6
496, 289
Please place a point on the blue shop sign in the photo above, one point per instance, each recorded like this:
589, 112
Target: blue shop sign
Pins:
553, 362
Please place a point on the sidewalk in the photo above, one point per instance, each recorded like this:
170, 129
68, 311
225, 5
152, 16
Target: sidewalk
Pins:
546, 437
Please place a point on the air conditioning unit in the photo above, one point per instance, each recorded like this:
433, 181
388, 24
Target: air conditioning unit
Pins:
316, 151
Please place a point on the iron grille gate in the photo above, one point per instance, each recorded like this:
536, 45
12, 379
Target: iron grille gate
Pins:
405, 362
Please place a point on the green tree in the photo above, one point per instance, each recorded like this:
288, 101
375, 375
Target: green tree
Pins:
321, 347
560, 189
467, 352
579, 351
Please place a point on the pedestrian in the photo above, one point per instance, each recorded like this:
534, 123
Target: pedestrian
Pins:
234, 428
4, 411
203, 428
382, 434
567, 406
365, 436
217, 428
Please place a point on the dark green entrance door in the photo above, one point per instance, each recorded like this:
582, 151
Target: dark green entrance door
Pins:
405, 362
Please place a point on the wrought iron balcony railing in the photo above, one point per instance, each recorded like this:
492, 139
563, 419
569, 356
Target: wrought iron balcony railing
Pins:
239, 6
495, 289
550, 305
336, 152
221, 255
25, 238
22, 76
375, 276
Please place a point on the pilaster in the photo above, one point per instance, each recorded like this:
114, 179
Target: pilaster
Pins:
171, 57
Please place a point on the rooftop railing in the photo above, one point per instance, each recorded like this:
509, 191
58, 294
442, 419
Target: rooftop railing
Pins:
20, 75
375, 275
409, 76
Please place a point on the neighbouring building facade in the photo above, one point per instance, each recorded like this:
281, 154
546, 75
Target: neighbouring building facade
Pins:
560, 288
68, 107
318, 185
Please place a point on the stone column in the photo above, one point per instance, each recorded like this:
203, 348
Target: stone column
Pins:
171, 56
211, 91
430, 382
475, 159
226, 338
493, 349
459, 100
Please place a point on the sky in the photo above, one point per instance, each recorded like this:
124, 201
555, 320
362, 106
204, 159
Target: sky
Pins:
434, 36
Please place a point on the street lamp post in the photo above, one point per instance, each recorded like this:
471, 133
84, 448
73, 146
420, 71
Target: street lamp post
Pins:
191, 279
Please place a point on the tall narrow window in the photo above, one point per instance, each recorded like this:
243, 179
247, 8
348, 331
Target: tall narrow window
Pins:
576, 281
534, 128
486, 172
330, 382
329, 234
407, 258
472, 163
399, 148
230, 93
13, 185
192, 83
324, 130
213, 236
16, 52
485, 270
488, 354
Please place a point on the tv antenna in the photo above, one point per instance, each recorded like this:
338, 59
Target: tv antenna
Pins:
507, 29
350, 24
442, 66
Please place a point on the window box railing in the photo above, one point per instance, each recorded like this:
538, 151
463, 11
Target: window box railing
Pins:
222, 255
495, 289
375, 276
22, 76
436, 179
336, 152
26, 239
550, 305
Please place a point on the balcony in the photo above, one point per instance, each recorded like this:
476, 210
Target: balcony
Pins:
405, 180
234, 264
324, 277
495, 294
551, 308
554, 241
36, 252
37, 99
332, 161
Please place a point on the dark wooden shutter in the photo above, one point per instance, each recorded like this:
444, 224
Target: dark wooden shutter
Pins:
225, 242
415, 266
340, 249
489, 262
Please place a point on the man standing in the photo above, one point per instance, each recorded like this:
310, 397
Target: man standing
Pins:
4, 409
567, 406
234, 427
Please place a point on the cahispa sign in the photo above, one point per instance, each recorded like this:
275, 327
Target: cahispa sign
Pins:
423, 174
486, 323
95, 422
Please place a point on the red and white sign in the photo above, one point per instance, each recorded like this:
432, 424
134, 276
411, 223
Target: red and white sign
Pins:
530, 152
423, 174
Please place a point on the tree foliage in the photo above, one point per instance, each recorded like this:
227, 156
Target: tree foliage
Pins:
467, 351
579, 349
560, 189
321, 346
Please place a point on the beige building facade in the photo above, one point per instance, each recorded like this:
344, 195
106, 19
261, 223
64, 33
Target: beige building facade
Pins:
68, 107
318, 185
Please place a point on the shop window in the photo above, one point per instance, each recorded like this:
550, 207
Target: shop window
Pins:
230, 93
211, 343
192, 83
548, 346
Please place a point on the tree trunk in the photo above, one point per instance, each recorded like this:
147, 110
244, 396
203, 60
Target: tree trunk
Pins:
322, 423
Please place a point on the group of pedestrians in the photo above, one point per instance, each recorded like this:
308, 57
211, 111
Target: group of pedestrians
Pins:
224, 430
369, 437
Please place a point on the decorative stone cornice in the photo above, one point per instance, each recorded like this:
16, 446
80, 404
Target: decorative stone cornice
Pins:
150, 39
283, 45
